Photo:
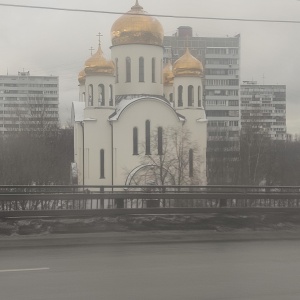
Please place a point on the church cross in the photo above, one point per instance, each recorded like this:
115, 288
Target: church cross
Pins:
91, 49
99, 36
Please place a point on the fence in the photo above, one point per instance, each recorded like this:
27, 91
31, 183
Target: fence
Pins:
53, 200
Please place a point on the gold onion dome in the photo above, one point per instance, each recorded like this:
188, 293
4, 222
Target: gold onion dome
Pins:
188, 65
137, 27
81, 77
98, 64
168, 75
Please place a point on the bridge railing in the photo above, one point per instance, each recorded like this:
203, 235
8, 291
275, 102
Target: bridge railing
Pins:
83, 198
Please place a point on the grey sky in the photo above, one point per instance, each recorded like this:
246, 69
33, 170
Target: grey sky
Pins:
52, 42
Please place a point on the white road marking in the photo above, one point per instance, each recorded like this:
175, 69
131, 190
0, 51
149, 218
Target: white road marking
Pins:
24, 270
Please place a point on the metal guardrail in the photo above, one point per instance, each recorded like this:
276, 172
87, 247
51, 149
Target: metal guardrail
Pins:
58, 200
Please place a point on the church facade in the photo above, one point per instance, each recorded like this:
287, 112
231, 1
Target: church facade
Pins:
131, 107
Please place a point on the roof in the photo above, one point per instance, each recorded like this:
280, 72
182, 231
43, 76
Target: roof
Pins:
78, 111
124, 103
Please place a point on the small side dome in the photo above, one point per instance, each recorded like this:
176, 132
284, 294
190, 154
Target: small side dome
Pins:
97, 64
137, 27
188, 65
168, 75
81, 77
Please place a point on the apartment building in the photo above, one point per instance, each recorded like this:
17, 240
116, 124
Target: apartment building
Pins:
263, 107
28, 102
220, 57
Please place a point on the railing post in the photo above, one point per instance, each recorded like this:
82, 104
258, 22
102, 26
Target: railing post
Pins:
101, 200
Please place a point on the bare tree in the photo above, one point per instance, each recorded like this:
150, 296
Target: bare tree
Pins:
174, 159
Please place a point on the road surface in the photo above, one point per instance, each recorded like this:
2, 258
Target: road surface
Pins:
248, 270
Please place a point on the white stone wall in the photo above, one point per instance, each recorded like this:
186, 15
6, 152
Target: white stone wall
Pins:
135, 52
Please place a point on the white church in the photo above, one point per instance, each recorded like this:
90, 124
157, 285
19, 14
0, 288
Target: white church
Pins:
127, 104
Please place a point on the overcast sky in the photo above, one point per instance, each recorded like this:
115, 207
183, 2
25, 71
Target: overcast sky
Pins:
47, 42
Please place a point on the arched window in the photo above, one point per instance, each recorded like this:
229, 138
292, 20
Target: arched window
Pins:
153, 69
191, 163
102, 163
190, 95
101, 95
148, 145
90, 100
141, 69
83, 97
180, 89
135, 141
117, 70
199, 96
128, 69
160, 141
171, 97
111, 95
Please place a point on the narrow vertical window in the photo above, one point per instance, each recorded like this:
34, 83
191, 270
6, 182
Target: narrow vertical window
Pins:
128, 69
102, 163
117, 70
90, 100
148, 150
83, 97
171, 97
191, 163
141, 69
101, 95
111, 95
180, 88
153, 69
160, 141
199, 96
161, 71
190, 95
135, 141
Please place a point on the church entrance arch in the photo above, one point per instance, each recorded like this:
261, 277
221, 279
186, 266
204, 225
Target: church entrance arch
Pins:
150, 178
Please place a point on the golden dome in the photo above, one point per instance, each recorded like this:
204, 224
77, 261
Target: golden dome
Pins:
137, 27
168, 76
81, 77
188, 65
97, 64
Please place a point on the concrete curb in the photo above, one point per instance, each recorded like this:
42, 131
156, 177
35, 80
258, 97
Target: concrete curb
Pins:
136, 237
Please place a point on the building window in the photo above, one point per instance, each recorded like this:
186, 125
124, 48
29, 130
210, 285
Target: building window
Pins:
180, 89
111, 95
191, 163
141, 69
101, 95
128, 69
83, 97
148, 149
153, 69
190, 95
160, 141
102, 163
135, 141
199, 96
171, 97
117, 70
90, 90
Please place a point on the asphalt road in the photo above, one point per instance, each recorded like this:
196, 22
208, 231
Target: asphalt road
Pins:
248, 270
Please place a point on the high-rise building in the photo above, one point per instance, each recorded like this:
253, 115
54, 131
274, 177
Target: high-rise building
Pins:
28, 103
221, 59
263, 107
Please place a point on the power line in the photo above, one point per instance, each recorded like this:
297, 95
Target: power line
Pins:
153, 15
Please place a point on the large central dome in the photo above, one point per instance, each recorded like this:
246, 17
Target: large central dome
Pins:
137, 27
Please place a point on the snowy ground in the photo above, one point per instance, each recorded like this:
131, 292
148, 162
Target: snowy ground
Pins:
216, 222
